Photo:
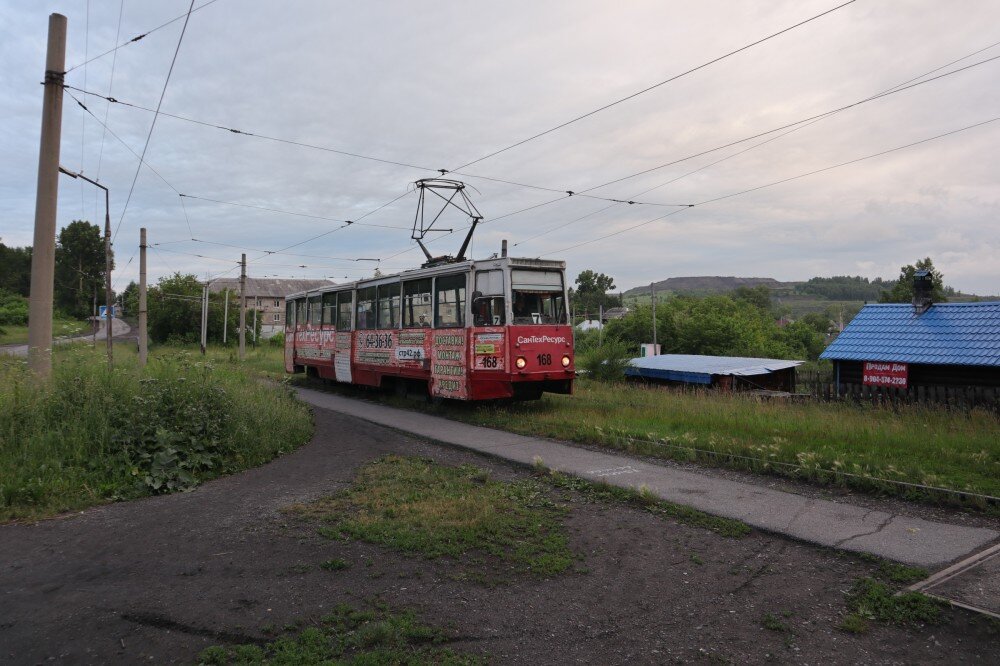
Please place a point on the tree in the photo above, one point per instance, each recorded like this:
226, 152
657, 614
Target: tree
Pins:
759, 296
174, 312
15, 269
80, 267
902, 291
592, 292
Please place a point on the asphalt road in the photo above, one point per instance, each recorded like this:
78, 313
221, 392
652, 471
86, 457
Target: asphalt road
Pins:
118, 329
160, 579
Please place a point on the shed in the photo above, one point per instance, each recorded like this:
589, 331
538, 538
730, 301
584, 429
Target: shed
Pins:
726, 372
903, 346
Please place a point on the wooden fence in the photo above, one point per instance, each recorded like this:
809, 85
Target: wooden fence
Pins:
959, 397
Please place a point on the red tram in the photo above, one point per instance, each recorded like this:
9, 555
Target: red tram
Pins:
468, 330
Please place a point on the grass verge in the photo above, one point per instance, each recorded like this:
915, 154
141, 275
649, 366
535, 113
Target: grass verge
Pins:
92, 435
417, 506
604, 492
348, 636
18, 335
809, 441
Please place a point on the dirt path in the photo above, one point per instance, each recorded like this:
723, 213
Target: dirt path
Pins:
160, 579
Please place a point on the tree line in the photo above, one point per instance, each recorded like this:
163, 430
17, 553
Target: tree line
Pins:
79, 275
173, 309
744, 322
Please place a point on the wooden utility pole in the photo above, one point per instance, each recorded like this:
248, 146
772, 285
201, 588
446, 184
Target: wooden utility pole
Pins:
143, 351
243, 306
43, 251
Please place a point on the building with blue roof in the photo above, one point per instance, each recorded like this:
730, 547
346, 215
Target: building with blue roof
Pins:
724, 372
902, 346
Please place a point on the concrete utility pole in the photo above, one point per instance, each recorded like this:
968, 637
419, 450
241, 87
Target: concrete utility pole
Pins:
243, 306
225, 317
143, 351
254, 328
204, 318
43, 251
108, 295
652, 295
107, 261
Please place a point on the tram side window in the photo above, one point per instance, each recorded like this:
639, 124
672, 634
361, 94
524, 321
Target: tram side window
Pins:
388, 306
345, 303
315, 310
366, 309
302, 314
290, 314
417, 304
450, 301
329, 309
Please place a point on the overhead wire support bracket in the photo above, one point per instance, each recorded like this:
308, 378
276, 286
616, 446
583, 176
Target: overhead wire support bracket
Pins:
457, 199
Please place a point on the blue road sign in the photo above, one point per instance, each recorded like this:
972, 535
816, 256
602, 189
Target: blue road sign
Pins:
103, 312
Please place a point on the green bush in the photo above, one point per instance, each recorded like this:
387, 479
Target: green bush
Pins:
92, 435
13, 309
606, 362
277, 340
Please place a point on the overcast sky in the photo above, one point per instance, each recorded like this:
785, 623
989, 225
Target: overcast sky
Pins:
438, 85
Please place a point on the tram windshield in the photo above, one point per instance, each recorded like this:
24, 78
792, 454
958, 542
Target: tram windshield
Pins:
538, 297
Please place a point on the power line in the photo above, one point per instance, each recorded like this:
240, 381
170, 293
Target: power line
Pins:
789, 125
291, 212
337, 151
141, 36
111, 81
153, 124
652, 87
778, 182
287, 254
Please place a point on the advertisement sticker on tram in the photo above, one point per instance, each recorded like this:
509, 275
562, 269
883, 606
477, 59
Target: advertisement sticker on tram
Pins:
448, 365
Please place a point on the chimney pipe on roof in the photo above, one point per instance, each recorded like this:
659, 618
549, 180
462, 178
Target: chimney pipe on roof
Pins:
923, 285
503, 248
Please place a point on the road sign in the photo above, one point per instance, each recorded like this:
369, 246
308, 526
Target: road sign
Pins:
103, 312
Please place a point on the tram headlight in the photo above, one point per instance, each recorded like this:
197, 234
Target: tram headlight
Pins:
520, 363
565, 361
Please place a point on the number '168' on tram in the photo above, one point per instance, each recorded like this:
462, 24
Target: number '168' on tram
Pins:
470, 330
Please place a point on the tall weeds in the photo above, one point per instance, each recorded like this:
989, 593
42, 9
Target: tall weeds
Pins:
92, 435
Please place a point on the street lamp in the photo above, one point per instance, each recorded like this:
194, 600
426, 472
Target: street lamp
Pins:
107, 258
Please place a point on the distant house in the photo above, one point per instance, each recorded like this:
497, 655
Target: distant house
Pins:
589, 325
917, 346
267, 295
614, 313
723, 372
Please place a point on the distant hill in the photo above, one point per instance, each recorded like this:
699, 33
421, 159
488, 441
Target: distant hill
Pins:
708, 284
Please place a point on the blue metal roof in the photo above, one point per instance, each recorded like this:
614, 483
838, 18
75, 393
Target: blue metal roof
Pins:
696, 369
946, 334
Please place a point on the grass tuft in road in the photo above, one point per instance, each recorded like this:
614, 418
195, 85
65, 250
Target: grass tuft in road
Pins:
418, 506
870, 599
348, 636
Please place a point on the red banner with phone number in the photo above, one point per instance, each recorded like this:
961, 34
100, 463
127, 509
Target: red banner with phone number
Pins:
890, 375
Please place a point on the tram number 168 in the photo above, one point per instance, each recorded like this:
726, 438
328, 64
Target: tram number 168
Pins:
544, 359
489, 361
